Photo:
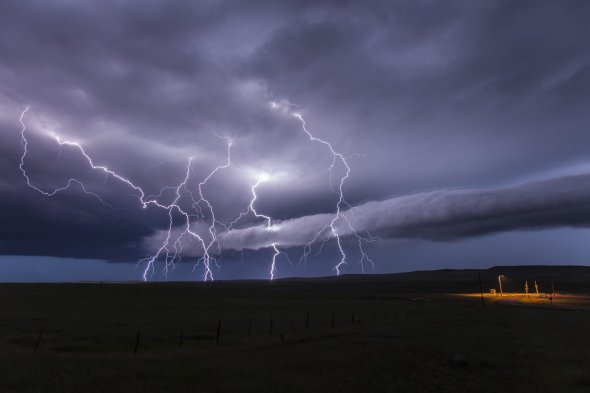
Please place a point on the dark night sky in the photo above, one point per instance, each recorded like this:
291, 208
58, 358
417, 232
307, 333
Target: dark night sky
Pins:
469, 120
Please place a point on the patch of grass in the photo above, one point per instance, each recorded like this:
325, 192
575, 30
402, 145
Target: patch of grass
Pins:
434, 343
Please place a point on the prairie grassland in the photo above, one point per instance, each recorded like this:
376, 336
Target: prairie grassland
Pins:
394, 333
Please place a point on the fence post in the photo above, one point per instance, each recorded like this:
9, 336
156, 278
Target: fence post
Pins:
271, 323
39, 338
218, 332
136, 348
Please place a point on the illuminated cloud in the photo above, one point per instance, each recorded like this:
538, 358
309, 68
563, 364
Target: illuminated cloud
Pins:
441, 215
434, 95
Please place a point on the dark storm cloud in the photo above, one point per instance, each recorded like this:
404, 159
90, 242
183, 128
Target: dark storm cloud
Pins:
439, 215
458, 92
435, 94
70, 224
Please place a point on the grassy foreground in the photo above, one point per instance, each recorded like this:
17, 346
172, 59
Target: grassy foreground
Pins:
394, 333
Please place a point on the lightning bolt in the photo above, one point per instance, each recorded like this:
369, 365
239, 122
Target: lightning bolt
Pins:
201, 209
212, 227
341, 203
268, 226
170, 249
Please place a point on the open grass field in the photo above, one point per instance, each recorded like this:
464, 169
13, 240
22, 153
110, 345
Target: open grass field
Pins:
411, 332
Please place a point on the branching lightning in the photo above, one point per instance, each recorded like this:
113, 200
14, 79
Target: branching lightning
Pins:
267, 219
341, 203
170, 249
201, 209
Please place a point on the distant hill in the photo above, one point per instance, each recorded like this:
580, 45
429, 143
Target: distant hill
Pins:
564, 278
530, 272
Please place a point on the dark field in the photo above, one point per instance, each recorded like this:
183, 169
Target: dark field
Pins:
391, 333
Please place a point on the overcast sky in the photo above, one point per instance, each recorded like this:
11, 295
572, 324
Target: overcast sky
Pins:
464, 123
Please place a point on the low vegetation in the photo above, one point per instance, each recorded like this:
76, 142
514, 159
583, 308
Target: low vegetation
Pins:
392, 333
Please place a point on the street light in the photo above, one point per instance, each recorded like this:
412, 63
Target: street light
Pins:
500, 277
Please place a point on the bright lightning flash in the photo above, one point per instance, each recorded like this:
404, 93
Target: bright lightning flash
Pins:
332, 227
170, 249
263, 177
202, 209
